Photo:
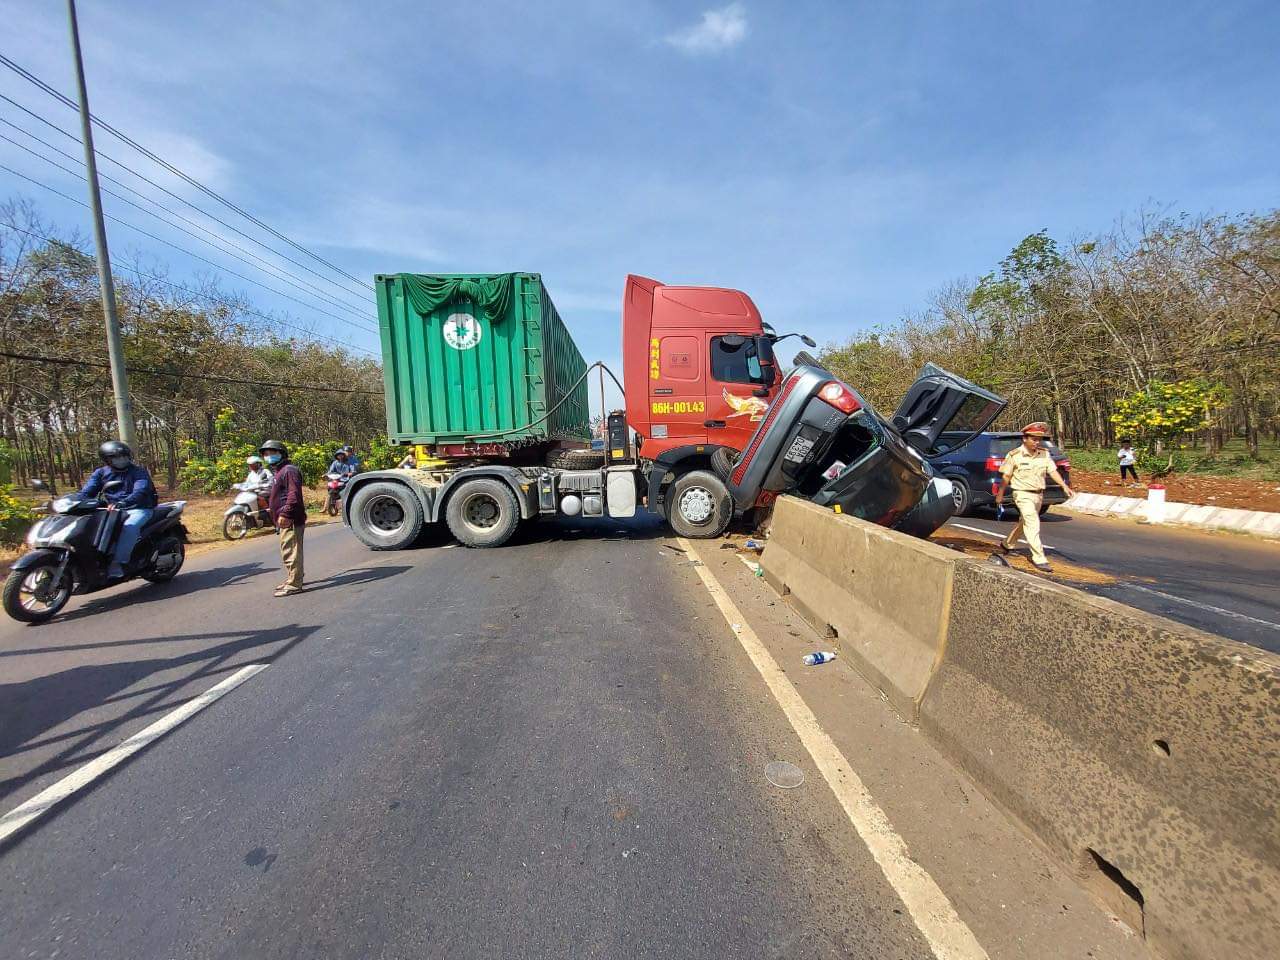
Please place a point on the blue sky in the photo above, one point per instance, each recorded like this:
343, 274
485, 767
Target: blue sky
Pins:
838, 161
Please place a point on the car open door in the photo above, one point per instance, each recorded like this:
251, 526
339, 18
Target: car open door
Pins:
940, 402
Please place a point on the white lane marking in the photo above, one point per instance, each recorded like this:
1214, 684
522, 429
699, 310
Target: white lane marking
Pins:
1209, 607
992, 533
46, 799
948, 936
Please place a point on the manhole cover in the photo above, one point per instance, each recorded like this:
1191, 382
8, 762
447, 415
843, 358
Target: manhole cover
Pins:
783, 774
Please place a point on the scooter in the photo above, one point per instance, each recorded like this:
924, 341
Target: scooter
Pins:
71, 551
335, 483
247, 512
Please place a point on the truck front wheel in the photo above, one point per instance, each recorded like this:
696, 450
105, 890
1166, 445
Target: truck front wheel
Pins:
482, 513
386, 516
699, 505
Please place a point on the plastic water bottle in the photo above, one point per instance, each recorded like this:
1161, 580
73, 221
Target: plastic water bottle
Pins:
822, 656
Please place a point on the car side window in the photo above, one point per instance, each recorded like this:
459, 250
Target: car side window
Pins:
735, 362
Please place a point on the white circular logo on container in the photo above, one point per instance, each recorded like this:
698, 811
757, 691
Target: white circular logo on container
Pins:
461, 331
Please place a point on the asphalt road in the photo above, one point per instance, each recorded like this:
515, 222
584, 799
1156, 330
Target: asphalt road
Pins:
557, 749
1222, 583
454, 753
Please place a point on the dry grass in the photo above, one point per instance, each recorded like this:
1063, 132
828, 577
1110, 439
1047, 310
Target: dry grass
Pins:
1019, 560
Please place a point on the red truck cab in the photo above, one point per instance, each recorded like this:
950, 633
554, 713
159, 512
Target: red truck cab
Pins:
698, 366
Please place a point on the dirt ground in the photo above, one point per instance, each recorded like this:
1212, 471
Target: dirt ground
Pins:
971, 546
1185, 488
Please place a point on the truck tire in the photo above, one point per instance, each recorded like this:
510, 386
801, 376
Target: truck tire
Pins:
482, 513
723, 460
386, 516
576, 459
699, 506
960, 494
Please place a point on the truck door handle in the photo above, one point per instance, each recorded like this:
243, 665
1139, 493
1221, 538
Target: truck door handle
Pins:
713, 423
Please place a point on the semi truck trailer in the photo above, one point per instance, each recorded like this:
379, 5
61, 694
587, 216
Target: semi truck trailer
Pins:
484, 381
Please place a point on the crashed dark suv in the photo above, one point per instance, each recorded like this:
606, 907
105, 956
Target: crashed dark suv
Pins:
822, 441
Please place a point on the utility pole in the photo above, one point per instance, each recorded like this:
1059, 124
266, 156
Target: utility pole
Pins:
115, 346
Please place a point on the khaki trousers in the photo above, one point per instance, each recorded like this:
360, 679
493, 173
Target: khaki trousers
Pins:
1028, 525
291, 554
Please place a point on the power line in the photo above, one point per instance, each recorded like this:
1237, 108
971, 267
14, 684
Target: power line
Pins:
32, 78
100, 364
181, 199
184, 250
269, 268
212, 298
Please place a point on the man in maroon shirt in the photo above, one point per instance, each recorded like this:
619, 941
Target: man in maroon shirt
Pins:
288, 512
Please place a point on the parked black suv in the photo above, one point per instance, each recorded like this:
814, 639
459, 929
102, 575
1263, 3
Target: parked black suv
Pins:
974, 468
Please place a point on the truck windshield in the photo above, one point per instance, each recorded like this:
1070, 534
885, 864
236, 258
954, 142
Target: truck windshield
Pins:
735, 362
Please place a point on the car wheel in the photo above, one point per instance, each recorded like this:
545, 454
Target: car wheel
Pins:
723, 460
699, 506
386, 516
961, 496
482, 513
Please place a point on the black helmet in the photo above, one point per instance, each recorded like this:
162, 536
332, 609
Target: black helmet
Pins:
274, 445
114, 448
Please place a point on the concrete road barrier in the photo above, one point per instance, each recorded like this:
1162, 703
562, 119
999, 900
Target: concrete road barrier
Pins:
886, 606
1145, 754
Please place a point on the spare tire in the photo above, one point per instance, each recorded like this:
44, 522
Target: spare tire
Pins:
576, 459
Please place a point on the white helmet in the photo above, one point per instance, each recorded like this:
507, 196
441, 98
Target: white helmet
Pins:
255, 459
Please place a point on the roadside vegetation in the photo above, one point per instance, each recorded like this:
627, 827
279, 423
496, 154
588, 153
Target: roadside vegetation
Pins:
1161, 330
195, 352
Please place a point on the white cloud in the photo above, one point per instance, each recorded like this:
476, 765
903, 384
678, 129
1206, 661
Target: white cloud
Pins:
718, 30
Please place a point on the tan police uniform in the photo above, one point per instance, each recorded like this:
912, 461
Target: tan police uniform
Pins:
1026, 474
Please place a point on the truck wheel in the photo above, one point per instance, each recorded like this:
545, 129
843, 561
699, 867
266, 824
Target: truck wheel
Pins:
960, 494
699, 505
386, 516
723, 460
482, 513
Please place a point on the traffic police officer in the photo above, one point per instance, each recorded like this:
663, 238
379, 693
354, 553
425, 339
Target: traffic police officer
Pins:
1024, 469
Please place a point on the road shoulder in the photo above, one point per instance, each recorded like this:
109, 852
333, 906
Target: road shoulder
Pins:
1016, 900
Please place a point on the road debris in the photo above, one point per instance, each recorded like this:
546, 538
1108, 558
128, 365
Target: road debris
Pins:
782, 774
819, 657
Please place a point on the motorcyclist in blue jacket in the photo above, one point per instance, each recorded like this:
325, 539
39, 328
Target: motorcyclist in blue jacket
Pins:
136, 498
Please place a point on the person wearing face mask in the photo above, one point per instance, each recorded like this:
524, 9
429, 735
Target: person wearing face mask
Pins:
135, 498
288, 512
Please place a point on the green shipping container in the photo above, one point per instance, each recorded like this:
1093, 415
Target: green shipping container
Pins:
477, 358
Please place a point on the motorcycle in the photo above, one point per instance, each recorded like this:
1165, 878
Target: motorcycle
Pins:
71, 550
335, 483
247, 512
